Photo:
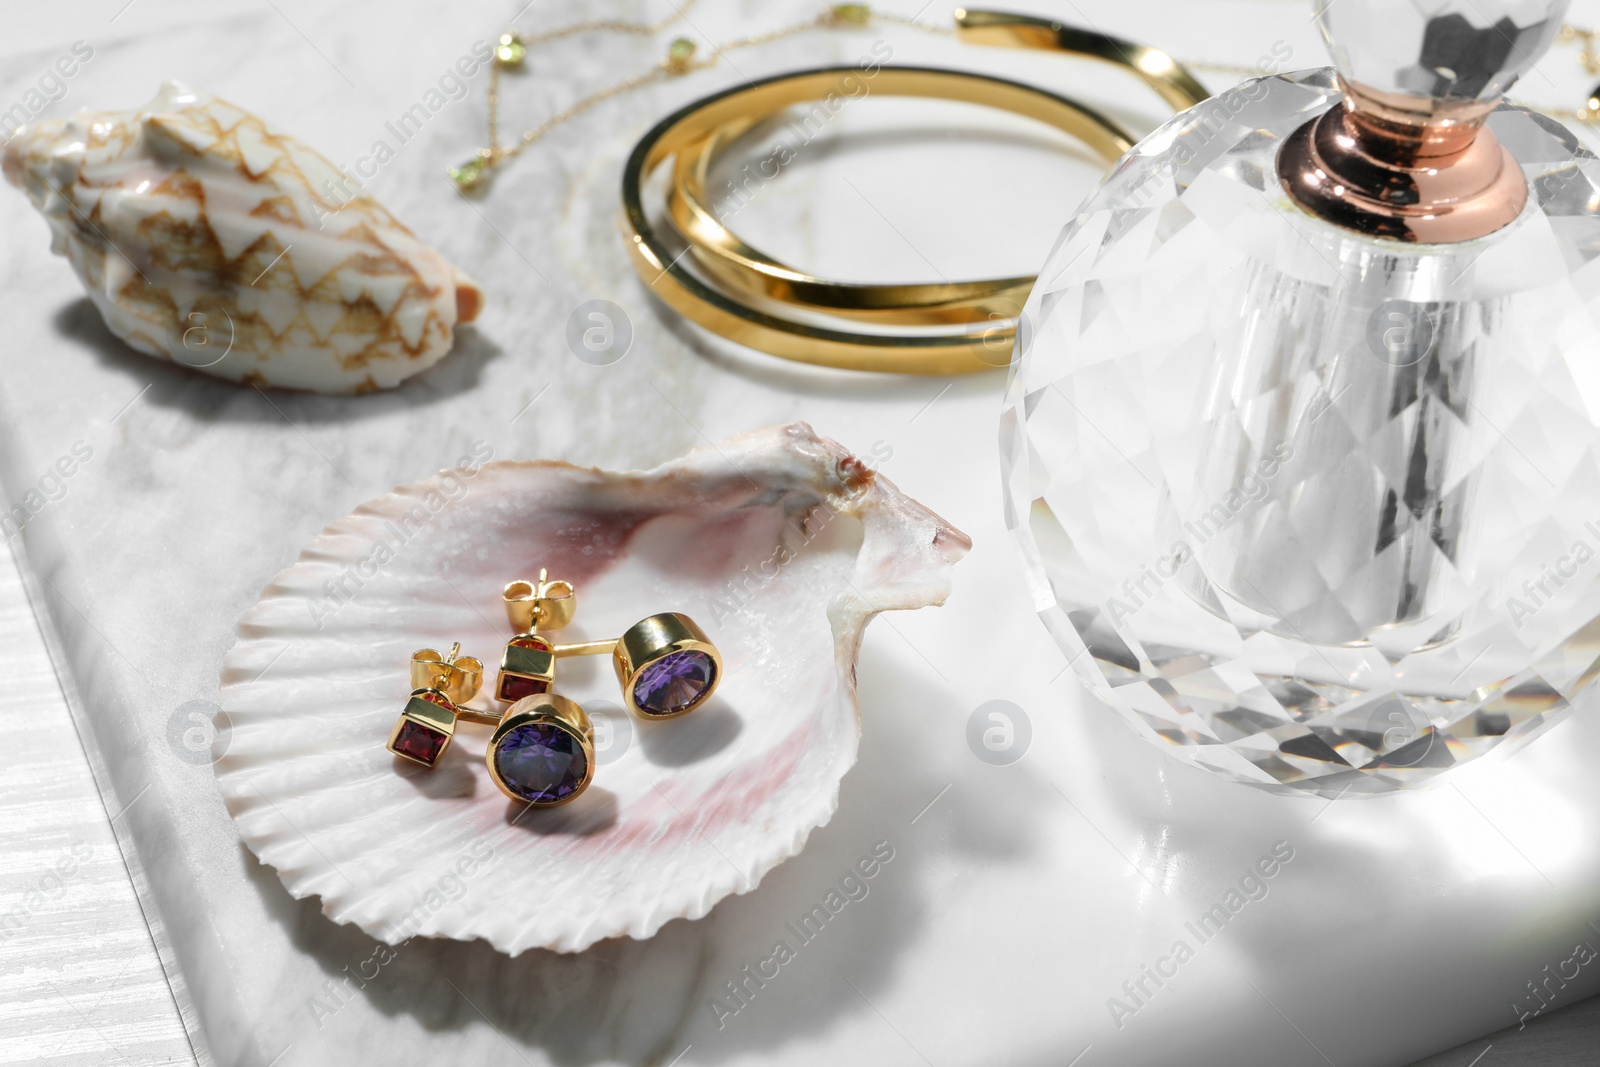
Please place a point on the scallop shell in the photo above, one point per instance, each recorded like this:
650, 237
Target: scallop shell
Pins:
779, 543
206, 237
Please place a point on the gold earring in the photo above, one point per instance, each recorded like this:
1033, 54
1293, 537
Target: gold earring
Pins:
666, 664
527, 667
439, 686
542, 753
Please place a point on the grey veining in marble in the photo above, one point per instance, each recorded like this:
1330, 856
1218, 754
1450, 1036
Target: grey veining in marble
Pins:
1021, 901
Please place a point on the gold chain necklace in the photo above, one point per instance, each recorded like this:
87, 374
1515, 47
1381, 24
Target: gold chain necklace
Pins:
511, 53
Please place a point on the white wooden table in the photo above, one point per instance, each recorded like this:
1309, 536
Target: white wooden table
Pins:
79, 979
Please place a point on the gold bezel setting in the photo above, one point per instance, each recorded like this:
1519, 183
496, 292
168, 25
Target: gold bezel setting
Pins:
651, 643
425, 728
530, 659
548, 722
440, 684
528, 664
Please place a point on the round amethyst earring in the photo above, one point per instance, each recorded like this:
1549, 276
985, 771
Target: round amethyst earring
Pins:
542, 752
666, 664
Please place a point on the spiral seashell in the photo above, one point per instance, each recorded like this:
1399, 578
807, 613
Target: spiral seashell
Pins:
781, 545
206, 237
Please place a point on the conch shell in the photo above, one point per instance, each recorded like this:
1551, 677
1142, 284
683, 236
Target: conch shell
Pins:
206, 237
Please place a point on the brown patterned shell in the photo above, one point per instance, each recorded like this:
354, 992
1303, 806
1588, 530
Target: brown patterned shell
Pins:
206, 237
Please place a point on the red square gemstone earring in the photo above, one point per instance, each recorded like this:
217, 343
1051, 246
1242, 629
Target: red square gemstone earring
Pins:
440, 685
527, 667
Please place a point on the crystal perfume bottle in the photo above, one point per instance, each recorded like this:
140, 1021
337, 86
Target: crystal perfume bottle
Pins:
1301, 438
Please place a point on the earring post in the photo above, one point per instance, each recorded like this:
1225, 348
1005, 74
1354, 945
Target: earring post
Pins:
585, 648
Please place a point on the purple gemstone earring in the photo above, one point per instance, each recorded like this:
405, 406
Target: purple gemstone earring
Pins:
666, 664
542, 753
542, 750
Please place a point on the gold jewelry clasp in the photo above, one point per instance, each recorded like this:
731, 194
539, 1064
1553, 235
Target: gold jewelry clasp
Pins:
541, 604
457, 679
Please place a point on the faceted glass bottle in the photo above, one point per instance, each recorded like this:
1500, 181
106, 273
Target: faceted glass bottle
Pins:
1314, 501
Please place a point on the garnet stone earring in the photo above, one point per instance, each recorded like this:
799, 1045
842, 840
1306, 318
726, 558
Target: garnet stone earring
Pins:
440, 686
527, 667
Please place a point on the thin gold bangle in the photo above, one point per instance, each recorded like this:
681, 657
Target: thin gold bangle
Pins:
661, 269
1177, 86
742, 268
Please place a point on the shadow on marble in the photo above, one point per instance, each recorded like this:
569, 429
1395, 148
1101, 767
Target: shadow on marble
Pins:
644, 1001
1362, 869
211, 399
1564, 1038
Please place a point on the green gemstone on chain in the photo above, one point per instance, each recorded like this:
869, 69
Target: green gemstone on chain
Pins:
856, 14
679, 53
469, 174
510, 52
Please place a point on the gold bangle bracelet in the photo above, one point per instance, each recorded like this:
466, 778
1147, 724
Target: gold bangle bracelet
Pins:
1176, 85
741, 268
662, 271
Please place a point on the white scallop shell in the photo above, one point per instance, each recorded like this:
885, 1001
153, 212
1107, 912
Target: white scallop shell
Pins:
779, 543
207, 237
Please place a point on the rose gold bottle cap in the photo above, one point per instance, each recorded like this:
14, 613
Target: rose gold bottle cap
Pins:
1407, 155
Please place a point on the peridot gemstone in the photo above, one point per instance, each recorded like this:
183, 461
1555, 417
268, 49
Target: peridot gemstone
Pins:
858, 14
679, 55
510, 52
469, 174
